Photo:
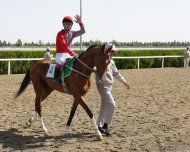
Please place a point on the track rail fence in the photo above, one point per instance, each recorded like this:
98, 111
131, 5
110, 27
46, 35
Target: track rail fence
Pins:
128, 57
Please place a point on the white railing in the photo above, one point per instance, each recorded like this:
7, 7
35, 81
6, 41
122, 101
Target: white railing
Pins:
19, 59
148, 57
127, 57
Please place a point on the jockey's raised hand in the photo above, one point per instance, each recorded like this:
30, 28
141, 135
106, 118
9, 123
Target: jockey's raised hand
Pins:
78, 19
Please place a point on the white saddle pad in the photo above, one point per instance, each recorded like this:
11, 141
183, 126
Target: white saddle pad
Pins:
51, 71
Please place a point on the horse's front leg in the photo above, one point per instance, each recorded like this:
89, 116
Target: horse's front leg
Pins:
72, 113
90, 114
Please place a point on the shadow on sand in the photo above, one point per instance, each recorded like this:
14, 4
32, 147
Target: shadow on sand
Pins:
14, 139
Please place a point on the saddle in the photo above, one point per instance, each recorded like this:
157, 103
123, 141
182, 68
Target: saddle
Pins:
60, 73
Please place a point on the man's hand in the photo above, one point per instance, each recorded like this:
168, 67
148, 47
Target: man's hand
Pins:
127, 85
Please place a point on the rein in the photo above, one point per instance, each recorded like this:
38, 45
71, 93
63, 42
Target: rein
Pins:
78, 72
85, 65
92, 70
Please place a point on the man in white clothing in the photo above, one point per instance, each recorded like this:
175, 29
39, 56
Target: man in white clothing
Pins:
108, 105
47, 55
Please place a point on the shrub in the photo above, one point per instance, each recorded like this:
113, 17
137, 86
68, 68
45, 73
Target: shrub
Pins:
23, 66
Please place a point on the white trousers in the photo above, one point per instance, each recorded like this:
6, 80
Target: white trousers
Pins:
186, 62
61, 57
107, 107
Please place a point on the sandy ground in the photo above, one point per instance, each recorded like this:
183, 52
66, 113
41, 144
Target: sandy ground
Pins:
153, 116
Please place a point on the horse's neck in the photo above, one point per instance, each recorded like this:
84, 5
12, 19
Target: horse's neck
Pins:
88, 61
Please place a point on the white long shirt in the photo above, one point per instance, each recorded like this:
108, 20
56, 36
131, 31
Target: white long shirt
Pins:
186, 53
111, 73
47, 55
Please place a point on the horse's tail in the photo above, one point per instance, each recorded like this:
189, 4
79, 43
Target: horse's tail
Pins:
24, 84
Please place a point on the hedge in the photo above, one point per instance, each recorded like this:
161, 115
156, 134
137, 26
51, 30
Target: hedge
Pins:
18, 67
148, 63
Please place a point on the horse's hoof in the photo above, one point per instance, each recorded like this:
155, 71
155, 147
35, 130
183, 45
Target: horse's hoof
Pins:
99, 137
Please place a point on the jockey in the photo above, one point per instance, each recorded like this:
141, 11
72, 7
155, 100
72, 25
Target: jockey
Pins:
64, 39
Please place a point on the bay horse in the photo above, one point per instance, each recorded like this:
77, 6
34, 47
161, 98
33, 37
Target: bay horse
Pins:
77, 84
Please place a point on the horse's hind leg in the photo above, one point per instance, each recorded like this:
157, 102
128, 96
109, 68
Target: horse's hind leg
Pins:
42, 91
45, 92
72, 113
90, 114
38, 108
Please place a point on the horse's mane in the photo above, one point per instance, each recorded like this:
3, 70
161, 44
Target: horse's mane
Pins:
92, 46
82, 53
102, 48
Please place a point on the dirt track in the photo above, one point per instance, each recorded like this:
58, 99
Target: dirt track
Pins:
153, 116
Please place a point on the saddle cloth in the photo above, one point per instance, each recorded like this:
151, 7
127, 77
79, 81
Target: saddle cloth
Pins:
51, 71
67, 68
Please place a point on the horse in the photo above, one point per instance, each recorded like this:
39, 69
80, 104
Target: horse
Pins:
95, 59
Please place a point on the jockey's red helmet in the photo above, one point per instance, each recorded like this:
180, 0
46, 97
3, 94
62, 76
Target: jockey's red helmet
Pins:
67, 19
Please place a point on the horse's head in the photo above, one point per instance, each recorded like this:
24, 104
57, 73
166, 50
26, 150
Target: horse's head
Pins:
103, 58
96, 59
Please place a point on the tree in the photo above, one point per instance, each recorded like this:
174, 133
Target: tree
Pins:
18, 43
40, 43
4, 43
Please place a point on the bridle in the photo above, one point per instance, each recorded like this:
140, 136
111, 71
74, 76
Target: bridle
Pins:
94, 69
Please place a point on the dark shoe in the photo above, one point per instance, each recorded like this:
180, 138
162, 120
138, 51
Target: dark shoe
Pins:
101, 130
107, 133
105, 128
104, 131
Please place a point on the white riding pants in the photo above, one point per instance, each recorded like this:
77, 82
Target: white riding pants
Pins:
61, 57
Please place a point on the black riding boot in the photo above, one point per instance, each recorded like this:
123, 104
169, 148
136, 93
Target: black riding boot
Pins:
57, 76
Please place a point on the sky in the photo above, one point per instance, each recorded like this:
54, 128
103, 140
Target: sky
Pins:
105, 20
